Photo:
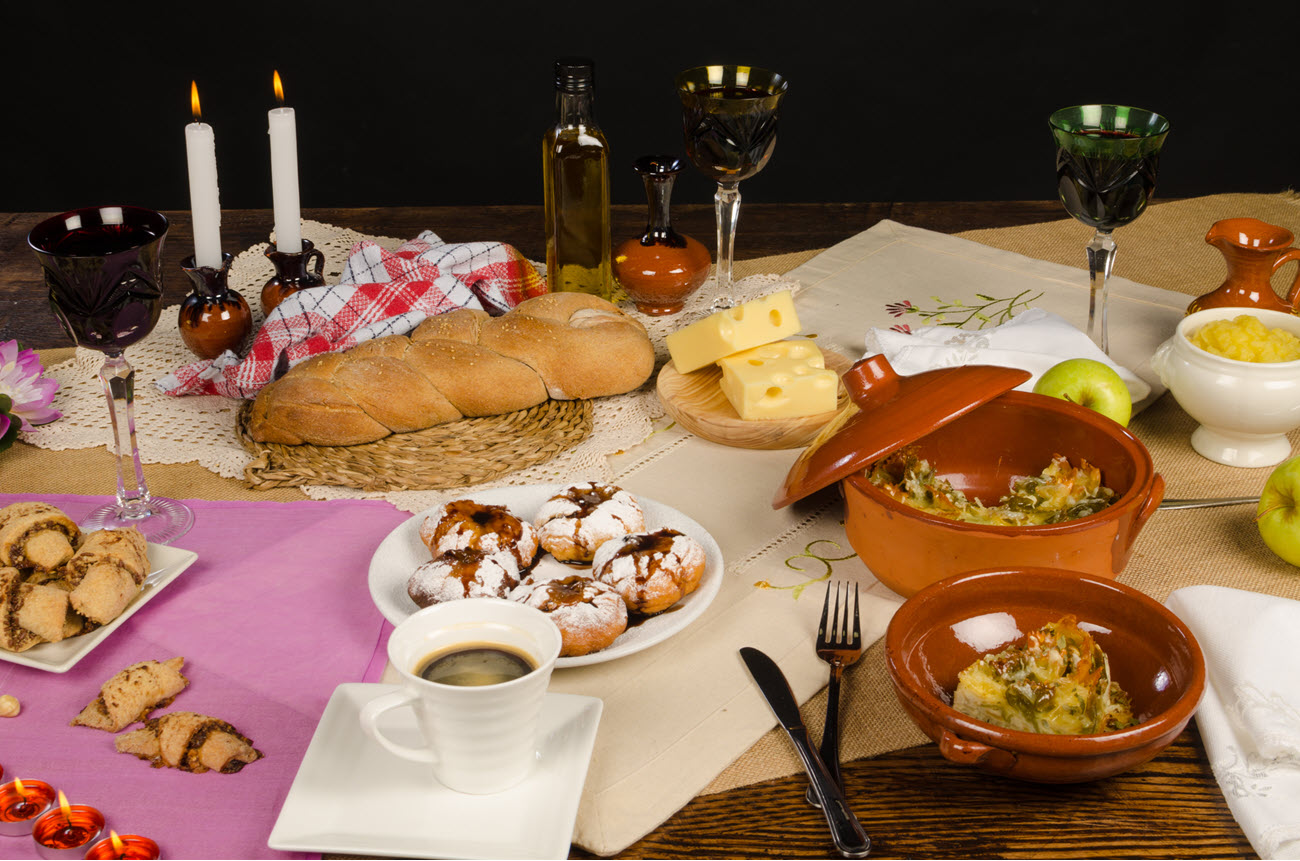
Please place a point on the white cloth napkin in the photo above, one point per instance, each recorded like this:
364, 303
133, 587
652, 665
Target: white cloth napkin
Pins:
1250, 716
1034, 340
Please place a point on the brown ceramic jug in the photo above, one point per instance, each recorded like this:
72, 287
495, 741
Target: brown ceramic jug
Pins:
1253, 251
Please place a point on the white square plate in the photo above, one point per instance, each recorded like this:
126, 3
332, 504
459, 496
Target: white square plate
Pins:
352, 797
166, 563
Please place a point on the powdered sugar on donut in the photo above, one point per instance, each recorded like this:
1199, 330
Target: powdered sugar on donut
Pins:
651, 571
589, 614
464, 573
573, 524
464, 524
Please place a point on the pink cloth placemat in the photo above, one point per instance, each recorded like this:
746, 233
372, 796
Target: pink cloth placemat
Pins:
272, 617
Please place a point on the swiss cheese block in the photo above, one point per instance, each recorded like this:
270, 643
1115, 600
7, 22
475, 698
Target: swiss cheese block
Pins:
782, 380
758, 322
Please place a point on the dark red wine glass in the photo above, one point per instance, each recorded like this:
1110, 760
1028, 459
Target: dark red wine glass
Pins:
1106, 161
103, 271
729, 119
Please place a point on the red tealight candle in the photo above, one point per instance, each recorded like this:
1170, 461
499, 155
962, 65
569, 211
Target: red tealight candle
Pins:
66, 831
21, 801
125, 846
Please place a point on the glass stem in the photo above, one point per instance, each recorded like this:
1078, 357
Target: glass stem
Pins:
118, 378
727, 204
1101, 258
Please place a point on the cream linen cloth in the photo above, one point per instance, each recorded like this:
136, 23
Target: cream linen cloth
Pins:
1250, 716
1034, 340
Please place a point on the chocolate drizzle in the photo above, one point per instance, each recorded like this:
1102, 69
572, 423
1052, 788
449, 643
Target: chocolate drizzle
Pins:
486, 520
560, 593
588, 497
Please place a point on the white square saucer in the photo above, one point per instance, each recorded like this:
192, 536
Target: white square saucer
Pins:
353, 797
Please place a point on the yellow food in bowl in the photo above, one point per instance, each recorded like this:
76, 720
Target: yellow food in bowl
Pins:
1246, 339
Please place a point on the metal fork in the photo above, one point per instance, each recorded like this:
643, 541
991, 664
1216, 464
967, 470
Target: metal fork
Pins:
839, 647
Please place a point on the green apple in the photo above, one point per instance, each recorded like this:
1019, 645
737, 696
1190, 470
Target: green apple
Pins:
1277, 517
1091, 384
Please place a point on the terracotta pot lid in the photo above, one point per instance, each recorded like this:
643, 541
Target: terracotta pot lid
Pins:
888, 412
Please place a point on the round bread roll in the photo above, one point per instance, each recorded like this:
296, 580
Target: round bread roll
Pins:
651, 570
466, 524
572, 524
589, 614
467, 573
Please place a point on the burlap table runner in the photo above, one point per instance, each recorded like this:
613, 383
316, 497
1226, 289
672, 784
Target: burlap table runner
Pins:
1165, 248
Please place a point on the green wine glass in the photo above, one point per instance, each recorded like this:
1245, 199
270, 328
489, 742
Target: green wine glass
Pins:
1106, 161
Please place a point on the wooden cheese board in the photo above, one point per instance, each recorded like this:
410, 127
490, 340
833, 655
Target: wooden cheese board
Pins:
696, 402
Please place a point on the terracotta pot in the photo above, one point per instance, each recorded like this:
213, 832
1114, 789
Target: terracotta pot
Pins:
951, 624
981, 452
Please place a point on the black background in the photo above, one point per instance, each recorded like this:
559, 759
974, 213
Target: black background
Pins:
441, 103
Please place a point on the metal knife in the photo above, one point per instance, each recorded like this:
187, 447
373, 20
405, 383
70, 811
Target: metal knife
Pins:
850, 838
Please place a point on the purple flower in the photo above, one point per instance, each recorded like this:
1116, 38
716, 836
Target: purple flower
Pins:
898, 309
901, 327
29, 393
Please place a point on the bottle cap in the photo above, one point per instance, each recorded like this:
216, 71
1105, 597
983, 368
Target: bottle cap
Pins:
574, 74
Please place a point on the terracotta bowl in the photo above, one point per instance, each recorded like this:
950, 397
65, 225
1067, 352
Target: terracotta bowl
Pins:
981, 452
951, 624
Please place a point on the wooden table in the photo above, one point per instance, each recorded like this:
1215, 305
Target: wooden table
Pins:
912, 802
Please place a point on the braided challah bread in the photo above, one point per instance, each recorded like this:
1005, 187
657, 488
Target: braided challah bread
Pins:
456, 365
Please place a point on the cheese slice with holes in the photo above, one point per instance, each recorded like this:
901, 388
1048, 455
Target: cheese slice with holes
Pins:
783, 380
758, 322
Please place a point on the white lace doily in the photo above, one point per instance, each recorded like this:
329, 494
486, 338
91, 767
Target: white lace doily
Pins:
202, 428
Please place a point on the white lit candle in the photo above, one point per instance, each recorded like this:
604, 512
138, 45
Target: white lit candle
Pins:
284, 174
205, 205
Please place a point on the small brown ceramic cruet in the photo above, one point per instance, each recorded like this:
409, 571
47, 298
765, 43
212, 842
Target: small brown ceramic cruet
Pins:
661, 267
214, 317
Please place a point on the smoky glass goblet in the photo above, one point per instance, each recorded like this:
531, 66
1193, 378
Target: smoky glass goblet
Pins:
729, 120
103, 273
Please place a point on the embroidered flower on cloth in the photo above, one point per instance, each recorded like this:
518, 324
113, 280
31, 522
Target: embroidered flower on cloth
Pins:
25, 395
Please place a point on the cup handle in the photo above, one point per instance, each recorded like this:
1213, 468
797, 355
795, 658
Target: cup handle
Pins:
371, 713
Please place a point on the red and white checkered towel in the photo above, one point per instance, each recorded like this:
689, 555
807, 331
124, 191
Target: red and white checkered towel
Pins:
379, 293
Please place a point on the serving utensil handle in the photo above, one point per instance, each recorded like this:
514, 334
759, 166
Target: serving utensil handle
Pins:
1209, 503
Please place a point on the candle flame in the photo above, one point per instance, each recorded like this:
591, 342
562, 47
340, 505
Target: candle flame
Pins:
118, 846
18, 787
64, 806
279, 89
194, 101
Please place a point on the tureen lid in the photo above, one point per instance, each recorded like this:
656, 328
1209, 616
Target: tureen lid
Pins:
888, 411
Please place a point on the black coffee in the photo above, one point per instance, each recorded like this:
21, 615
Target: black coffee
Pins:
472, 664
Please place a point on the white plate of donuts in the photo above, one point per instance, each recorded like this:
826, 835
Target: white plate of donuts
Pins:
617, 572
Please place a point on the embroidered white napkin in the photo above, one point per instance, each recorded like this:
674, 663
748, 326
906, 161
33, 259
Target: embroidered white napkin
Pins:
1034, 340
1250, 716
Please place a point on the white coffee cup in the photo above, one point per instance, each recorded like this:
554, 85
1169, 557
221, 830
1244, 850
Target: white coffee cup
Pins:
479, 739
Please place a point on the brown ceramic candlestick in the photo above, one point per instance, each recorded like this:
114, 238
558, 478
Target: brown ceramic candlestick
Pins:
660, 268
293, 272
214, 317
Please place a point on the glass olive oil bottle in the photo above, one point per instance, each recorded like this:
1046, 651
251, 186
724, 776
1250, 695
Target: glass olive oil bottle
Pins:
575, 163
